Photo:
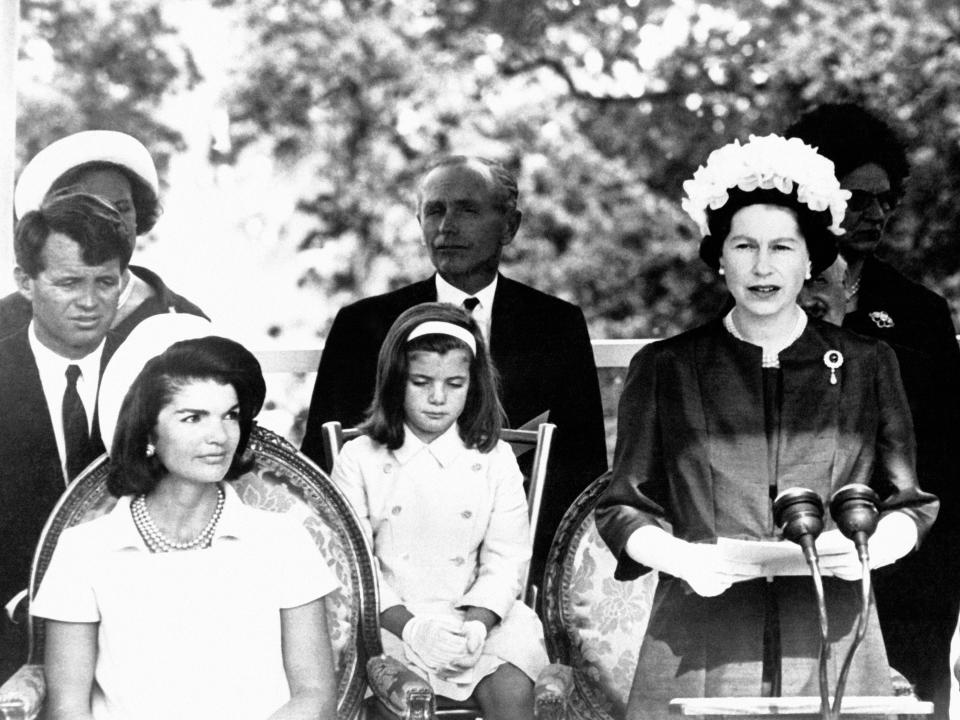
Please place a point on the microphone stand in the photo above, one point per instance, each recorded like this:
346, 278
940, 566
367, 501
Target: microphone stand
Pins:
799, 514
854, 509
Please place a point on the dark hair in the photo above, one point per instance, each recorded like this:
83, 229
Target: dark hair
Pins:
503, 184
482, 418
208, 358
92, 223
851, 137
146, 204
814, 226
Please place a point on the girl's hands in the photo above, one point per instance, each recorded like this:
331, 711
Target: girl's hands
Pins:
437, 641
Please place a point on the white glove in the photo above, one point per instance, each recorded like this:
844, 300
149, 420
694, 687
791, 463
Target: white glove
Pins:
700, 565
437, 641
476, 634
895, 536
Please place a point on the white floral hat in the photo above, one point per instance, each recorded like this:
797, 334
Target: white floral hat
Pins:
765, 163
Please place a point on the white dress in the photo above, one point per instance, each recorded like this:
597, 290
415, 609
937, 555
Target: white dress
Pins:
190, 635
450, 529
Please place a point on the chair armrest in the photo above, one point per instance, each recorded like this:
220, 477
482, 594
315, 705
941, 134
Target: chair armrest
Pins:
398, 687
551, 693
21, 696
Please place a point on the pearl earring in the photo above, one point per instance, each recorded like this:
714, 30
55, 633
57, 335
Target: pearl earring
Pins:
151, 449
721, 271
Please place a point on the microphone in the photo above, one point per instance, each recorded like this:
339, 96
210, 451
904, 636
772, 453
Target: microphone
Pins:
854, 509
798, 512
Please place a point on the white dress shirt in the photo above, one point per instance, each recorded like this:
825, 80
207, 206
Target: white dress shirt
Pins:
481, 313
53, 378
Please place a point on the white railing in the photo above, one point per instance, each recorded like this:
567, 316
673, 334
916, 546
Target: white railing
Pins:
606, 353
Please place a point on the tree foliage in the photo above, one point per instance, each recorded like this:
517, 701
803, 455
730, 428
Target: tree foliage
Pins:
98, 65
603, 109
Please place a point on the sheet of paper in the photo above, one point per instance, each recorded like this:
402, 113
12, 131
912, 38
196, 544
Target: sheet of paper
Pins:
778, 557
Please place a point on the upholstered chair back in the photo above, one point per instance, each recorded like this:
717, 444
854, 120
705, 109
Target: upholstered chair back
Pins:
282, 480
592, 622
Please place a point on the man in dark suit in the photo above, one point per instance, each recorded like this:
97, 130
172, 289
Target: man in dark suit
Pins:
467, 209
71, 254
917, 598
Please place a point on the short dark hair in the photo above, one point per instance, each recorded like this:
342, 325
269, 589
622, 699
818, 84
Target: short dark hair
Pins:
482, 418
814, 226
502, 182
146, 204
851, 137
92, 223
209, 358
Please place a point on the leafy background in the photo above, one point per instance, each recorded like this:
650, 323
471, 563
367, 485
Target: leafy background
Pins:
290, 133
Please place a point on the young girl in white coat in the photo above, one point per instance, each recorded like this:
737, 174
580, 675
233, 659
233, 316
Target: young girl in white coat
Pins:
442, 500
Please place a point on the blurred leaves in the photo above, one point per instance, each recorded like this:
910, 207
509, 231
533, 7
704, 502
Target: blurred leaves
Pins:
602, 107
98, 65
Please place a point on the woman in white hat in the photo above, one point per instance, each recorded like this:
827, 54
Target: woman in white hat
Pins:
718, 421
119, 169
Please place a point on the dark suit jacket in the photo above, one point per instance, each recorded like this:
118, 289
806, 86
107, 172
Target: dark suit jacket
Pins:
31, 479
542, 351
918, 598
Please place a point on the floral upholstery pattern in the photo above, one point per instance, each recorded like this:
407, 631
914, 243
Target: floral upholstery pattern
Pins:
608, 619
593, 623
22, 694
282, 480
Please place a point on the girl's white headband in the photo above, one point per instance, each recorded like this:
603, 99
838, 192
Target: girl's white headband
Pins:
440, 327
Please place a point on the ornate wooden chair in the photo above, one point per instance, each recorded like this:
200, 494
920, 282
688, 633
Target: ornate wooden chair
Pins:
283, 480
550, 688
593, 623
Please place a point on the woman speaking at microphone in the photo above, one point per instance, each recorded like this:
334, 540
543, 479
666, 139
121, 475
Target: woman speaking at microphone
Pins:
717, 421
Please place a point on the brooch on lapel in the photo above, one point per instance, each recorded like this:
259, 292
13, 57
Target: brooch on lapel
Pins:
881, 318
833, 359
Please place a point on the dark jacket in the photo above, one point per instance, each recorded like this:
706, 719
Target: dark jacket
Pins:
918, 598
542, 351
692, 452
15, 310
31, 478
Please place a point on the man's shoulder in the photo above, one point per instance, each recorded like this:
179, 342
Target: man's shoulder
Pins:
15, 313
395, 301
14, 349
513, 291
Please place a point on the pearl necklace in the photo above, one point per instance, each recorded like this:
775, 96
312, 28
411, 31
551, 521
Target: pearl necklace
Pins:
158, 542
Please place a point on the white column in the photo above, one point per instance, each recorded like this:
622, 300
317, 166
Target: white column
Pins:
9, 43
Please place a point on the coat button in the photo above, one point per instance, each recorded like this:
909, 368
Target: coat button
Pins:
466, 514
477, 467
458, 561
396, 509
388, 468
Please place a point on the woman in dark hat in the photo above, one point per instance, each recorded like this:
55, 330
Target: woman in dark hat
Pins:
716, 422
881, 302
119, 169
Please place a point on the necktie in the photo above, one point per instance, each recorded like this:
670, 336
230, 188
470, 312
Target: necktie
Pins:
470, 303
75, 432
